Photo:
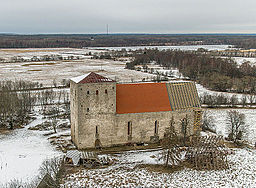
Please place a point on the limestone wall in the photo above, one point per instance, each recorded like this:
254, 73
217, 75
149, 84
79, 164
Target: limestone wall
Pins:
94, 104
113, 129
74, 111
143, 125
93, 116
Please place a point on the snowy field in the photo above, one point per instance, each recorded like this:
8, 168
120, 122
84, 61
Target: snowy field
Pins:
126, 173
241, 60
219, 116
46, 72
27, 53
22, 152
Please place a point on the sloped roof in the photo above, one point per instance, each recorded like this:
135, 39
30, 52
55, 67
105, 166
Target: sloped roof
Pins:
142, 97
156, 97
91, 78
183, 95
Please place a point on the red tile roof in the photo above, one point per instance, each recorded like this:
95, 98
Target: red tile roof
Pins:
142, 97
92, 78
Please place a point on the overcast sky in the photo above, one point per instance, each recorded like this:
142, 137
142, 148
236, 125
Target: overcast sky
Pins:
127, 16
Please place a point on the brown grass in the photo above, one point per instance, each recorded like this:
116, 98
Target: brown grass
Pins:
4, 131
30, 64
35, 70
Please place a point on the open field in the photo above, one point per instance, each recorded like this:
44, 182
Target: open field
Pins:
46, 72
28, 145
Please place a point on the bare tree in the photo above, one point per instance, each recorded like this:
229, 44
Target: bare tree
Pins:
244, 100
208, 122
170, 145
235, 125
233, 100
252, 99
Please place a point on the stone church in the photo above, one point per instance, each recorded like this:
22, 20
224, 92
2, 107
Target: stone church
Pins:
106, 113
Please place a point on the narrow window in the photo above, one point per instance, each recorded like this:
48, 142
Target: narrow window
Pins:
97, 130
129, 128
113, 87
156, 127
88, 92
88, 109
97, 92
106, 91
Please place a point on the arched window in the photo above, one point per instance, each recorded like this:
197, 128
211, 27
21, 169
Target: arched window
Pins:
106, 91
88, 109
156, 127
97, 92
88, 92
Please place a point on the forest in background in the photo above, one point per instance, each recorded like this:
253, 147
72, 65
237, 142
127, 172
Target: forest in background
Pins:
216, 73
246, 41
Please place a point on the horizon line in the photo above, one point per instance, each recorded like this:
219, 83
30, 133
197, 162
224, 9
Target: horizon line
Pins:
128, 33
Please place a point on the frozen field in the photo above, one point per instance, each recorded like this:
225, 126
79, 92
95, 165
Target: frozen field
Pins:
46, 72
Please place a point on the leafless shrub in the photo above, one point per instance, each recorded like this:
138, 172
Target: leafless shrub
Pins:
55, 169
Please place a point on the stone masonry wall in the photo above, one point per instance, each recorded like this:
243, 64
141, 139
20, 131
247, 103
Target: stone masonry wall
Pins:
93, 116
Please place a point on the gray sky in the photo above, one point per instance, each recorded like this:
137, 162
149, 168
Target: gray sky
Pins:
128, 16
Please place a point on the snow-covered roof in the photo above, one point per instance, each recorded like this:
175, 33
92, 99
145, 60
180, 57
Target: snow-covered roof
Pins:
79, 78
91, 78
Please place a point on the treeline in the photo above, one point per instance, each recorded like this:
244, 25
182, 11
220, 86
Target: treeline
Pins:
18, 100
15, 106
222, 100
103, 40
220, 74
18, 85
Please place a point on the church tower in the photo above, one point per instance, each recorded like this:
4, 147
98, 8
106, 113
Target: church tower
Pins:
93, 108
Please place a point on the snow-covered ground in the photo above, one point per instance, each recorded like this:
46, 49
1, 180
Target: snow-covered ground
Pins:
128, 174
241, 60
65, 70
22, 152
28, 53
220, 115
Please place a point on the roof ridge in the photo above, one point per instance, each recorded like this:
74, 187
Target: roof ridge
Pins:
91, 77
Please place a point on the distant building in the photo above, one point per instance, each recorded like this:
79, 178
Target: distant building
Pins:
106, 113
